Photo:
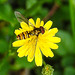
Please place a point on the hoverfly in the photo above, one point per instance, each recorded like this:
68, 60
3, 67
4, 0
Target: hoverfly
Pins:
27, 34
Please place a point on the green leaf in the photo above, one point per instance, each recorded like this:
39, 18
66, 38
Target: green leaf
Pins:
33, 11
3, 46
30, 3
23, 63
37, 9
67, 61
4, 67
38, 71
58, 2
64, 9
66, 45
6, 13
45, 1
34, 3
57, 72
69, 71
3, 1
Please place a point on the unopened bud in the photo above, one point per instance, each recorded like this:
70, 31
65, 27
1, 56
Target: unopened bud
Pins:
47, 70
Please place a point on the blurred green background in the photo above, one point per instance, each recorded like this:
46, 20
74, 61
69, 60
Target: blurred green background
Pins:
61, 12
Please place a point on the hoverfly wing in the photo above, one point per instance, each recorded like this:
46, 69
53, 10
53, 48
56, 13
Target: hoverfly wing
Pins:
21, 18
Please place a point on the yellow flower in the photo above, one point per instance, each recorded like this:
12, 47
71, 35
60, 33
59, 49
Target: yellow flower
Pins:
34, 46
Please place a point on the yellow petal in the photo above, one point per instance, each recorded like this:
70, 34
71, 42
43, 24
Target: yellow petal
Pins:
52, 45
50, 52
22, 30
43, 49
24, 47
48, 25
18, 43
51, 32
25, 26
37, 23
31, 48
38, 57
17, 32
21, 48
31, 53
22, 53
54, 39
30, 59
31, 21
46, 51
42, 23
28, 51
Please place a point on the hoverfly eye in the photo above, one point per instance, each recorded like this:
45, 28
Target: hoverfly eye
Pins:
42, 30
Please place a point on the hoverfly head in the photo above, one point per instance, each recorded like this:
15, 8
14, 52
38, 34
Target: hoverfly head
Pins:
42, 29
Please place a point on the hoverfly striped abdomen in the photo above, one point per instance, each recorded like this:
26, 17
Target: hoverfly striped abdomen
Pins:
23, 35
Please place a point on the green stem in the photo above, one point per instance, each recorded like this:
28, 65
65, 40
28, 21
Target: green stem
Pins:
44, 63
72, 17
